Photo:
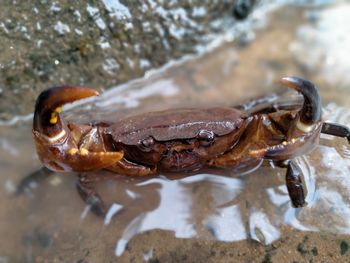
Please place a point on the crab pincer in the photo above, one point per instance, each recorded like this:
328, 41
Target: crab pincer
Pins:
60, 146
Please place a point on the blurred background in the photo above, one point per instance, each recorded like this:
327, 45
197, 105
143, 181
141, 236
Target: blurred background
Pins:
152, 55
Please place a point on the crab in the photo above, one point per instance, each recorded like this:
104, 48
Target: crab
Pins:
182, 140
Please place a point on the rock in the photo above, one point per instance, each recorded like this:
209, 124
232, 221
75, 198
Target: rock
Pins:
96, 43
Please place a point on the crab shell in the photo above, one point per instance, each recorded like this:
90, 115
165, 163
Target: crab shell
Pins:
177, 139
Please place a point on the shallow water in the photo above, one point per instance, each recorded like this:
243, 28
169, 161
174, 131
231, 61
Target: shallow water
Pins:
50, 222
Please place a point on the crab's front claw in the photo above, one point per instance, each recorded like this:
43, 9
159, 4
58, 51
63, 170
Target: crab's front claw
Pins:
57, 147
311, 111
48, 106
83, 160
60, 157
303, 132
290, 148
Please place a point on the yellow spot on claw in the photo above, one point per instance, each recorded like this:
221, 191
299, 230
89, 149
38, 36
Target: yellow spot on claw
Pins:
53, 119
58, 109
83, 152
73, 151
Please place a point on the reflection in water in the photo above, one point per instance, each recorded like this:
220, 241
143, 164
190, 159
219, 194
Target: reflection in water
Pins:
226, 224
330, 200
227, 216
113, 210
261, 228
173, 213
130, 99
175, 210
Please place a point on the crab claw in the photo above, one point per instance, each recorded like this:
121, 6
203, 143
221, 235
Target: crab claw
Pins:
48, 106
57, 147
311, 110
303, 132
291, 148
78, 160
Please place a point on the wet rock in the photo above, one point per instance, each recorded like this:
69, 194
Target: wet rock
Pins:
96, 43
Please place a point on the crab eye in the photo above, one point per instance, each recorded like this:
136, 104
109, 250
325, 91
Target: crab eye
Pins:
147, 144
206, 137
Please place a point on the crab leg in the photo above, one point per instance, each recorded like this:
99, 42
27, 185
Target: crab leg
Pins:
87, 192
336, 130
35, 177
294, 182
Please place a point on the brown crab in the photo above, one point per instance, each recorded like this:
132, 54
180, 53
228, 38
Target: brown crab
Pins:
182, 139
